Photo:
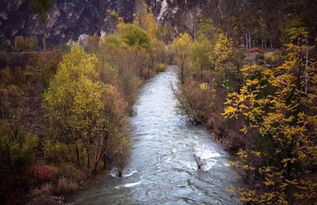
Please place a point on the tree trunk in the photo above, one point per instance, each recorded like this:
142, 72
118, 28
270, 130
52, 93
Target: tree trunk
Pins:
77, 155
88, 158
250, 40
182, 73
246, 42
44, 43
306, 67
70, 152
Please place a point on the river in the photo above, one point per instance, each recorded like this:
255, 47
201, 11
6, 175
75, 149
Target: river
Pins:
162, 168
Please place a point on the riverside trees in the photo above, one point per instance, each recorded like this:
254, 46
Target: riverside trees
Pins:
278, 105
269, 110
65, 115
85, 113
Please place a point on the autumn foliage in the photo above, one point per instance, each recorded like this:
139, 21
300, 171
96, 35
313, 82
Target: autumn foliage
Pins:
41, 174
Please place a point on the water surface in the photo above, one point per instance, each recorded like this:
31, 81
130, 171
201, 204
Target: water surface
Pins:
162, 168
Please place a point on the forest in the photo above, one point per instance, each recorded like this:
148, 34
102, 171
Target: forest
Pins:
250, 78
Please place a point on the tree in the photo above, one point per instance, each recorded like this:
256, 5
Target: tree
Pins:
17, 147
86, 113
182, 49
135, 36
201, 54
274, 104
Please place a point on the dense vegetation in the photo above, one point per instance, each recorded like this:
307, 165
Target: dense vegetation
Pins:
64, 112
250, 78
259, 101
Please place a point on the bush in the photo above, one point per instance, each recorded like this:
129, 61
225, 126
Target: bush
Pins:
17, 154
43, 66
55, 151
227, 77
31, 42
195, 101
272, 57
27, 43
44, 173
6, 76
19, 43
161, 67
65, 186
45, 190
135, 36
71, 172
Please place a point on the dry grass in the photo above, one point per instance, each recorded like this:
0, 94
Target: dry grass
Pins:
65, 186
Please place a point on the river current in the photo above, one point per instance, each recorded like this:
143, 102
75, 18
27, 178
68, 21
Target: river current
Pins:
162, 167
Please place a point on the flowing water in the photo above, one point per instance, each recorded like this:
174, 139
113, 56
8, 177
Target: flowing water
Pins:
162, 168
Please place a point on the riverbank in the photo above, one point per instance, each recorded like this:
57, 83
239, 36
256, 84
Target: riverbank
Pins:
162, 167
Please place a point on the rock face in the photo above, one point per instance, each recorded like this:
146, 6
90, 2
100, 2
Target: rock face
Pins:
66, 19
183, 15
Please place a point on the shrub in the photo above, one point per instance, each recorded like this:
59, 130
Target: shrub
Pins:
19, 43
227, 77
161, 67
272, 57
65, 186
44, 190
44, 173
6, 76
134, 36
195, 101
31, 42
55, 151
27, 43
43, 66
71, 172
17, 154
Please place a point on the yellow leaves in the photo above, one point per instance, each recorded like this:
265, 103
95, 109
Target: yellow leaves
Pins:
301, 155
231, 163
257, 154
252, 82
244, 130
230, 189
268, 182
247, 167
265, 170
273, 103
242, 154
203, 86
267, 72
222, 48
230, 112
247, 195
288, 160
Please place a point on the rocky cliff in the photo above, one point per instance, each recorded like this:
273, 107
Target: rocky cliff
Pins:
68, 19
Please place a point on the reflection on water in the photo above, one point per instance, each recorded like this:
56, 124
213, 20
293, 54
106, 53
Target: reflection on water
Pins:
162, 168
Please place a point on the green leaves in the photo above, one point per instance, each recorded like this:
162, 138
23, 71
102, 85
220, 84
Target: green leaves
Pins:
133, 35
